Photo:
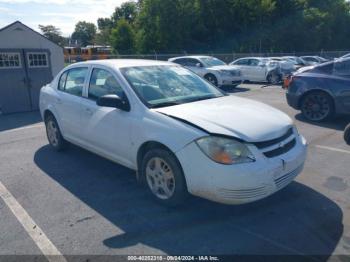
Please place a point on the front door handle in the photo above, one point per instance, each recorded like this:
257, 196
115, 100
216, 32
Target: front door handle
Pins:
88, 111
59, 101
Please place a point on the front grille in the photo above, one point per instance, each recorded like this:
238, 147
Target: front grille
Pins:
281, 150
287, 178
247, 193
278, 146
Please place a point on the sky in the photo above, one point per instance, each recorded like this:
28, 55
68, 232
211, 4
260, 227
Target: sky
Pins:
63, 14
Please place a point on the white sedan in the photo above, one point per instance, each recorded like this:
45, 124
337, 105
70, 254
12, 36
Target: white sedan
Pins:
180, 133
212, 69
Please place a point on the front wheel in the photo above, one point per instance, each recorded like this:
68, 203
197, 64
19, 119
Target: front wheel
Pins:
212, 79
317, 107
164, 177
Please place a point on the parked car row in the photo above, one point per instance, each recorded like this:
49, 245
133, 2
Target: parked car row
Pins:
254, 69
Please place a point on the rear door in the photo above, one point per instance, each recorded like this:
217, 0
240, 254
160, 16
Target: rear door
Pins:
69, 101
39, 72
257, 72
14, 94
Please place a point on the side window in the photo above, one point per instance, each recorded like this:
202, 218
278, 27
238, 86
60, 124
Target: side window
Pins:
103, 83
253, 62
180, 61
192, 62
72, 81
242, 62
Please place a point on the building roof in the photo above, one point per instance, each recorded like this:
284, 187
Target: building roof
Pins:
27, 27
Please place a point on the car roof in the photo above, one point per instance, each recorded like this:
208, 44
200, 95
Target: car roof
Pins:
120, 63
190, 56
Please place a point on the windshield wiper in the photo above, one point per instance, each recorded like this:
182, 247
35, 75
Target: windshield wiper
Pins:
164, 104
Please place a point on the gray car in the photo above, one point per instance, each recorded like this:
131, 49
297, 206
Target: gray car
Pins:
322, 91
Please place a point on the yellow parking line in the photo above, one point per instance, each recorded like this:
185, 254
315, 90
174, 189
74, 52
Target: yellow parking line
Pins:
41, 240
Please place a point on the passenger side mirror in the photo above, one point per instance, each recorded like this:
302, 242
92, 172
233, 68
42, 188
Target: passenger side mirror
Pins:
113, 101
198, 65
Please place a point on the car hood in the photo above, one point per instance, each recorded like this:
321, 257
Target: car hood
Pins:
242, 118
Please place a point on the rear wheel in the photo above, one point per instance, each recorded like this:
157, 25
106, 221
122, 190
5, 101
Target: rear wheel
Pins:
317, 106
53, 133
164, 177
212, 79
274, 78
347, 134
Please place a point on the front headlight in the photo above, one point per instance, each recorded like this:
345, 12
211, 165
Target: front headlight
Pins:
224, 150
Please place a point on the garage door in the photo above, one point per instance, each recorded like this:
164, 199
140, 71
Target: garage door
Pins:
22, 73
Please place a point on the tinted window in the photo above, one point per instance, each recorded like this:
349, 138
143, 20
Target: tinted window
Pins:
103, 83
253, 62
72, 81
191, 62
241, 62
181, 61
310, 59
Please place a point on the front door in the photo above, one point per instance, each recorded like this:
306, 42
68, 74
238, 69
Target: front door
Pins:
14, 94
106, 130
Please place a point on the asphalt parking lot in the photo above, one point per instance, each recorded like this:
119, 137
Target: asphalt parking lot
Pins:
86, 205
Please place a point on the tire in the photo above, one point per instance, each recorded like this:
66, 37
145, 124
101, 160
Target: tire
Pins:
54, 134
212, 79
164, 177
317, 106
274, 78
347, 134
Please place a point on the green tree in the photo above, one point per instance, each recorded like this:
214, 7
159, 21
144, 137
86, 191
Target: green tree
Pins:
122, 37
84, 33
127, 11
53, 33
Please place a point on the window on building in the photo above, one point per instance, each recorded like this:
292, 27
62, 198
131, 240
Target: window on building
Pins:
10, 60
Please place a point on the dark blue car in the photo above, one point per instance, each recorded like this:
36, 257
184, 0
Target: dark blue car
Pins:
321, 92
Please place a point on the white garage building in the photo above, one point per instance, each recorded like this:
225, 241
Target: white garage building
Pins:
28, 61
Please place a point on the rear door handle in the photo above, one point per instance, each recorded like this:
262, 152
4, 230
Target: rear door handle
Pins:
59, 101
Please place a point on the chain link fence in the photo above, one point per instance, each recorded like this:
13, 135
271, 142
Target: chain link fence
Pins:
226, 57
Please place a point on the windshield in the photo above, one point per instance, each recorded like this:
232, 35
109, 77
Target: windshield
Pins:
212, 61
159, 86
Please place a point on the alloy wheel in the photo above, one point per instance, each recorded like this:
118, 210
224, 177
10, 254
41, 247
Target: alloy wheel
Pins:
316, 107
160, 178
52, 132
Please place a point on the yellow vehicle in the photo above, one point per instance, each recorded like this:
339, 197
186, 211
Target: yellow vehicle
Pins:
91, 52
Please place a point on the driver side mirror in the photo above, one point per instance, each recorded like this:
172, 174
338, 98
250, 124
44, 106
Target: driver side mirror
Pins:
113, 101
199, 65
